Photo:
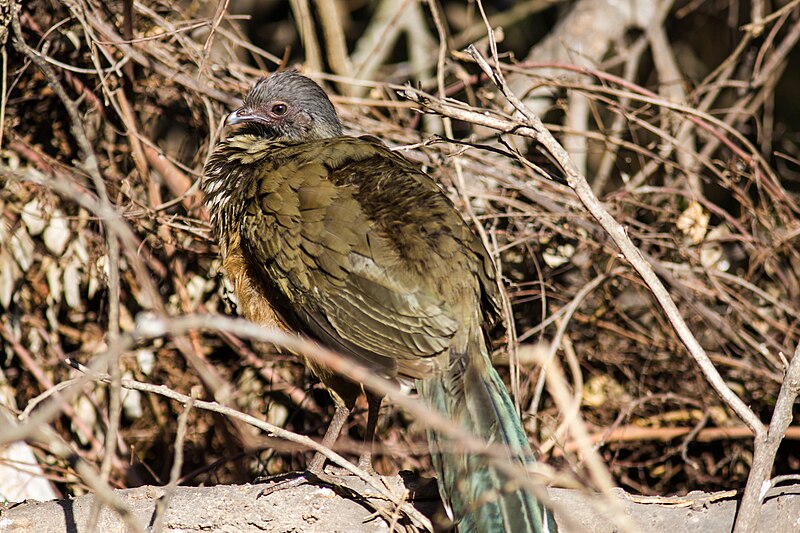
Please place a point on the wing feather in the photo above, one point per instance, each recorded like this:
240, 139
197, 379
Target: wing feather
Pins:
335, 275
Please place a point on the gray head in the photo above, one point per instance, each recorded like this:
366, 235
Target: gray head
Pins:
287, 106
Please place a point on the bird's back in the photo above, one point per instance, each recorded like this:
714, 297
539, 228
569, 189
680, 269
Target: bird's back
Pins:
354, 246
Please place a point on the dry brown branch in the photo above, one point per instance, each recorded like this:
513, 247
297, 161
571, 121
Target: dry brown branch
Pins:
637, 433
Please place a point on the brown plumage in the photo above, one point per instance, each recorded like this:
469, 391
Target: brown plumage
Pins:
349, 243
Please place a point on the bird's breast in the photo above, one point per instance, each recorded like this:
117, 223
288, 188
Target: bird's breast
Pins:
250, 292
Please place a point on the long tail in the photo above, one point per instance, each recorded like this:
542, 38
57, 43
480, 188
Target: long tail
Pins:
472, 393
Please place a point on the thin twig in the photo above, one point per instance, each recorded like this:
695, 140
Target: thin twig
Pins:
177, 463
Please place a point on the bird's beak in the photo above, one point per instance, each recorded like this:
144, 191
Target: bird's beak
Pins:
243, 114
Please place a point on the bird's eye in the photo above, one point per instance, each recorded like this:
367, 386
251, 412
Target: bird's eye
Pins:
279, 109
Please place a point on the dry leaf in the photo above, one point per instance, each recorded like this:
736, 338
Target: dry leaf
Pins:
33, 217
10, 274
22, 248
57, 234
555, 257
693, 222
72, 285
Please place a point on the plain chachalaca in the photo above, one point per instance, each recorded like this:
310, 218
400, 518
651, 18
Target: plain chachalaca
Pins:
350, 244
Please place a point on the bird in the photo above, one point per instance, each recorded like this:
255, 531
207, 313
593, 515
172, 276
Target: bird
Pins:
342, 240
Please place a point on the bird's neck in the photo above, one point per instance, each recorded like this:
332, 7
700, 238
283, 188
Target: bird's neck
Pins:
224, 209
227, 179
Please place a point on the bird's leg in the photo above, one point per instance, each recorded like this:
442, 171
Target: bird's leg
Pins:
314, 468
365, 460
335, 427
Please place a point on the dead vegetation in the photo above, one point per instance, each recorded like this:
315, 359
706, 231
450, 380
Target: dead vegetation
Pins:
109, 111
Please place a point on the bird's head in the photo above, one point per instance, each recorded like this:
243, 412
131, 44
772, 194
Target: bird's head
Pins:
287, 106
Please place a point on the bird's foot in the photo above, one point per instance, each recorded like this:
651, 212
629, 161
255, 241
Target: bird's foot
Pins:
337, 471
276, 478
338, 479
364, 464
332, 475
281, 482
341, 472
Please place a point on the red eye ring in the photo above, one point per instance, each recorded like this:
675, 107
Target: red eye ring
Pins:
279, 109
